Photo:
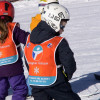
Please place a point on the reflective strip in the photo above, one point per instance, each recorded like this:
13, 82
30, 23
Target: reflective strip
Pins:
59, 66
18, 45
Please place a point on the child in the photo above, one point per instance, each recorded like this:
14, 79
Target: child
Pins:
11, 66
46, 52
34, 23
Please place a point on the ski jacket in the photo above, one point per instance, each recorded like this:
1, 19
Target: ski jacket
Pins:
41, 60
16, 36
63, 54
35, 21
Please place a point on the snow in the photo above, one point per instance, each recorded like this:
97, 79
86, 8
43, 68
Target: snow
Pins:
83, 34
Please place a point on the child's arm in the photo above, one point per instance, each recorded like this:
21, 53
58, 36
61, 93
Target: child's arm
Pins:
66, 57
20, 35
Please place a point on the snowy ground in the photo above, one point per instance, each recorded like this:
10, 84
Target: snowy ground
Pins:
83, 35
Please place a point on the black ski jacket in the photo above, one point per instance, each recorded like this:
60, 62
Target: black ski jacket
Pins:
64, 54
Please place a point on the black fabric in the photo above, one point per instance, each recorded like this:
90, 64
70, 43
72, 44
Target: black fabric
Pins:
59, 92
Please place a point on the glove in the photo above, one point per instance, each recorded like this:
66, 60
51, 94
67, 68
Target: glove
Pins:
18, 25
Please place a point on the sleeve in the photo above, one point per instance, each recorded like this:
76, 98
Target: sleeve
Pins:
66, 58
20, 35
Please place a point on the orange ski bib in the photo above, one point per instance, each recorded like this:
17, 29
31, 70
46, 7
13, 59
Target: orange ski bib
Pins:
8, 50
41, 60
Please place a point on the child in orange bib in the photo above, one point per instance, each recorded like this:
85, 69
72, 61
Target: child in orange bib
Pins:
48, 55
35, 21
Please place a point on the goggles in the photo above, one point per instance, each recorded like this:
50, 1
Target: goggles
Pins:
62, 27
42, 5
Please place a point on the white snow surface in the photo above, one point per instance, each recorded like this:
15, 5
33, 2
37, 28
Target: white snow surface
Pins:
83, 35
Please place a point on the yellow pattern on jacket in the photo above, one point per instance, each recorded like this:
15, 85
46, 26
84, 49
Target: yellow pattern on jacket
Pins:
35, 21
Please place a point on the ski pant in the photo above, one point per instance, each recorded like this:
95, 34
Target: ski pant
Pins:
18, 85
59, 92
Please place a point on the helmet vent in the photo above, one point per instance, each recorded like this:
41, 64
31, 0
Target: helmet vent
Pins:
6, 6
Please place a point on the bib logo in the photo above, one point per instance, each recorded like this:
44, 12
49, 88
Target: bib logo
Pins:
49, 45
37, 52
28, 45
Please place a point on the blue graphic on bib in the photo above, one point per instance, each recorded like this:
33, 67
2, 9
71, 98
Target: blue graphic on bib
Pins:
37, 52
8, 60
28, 45
41, 81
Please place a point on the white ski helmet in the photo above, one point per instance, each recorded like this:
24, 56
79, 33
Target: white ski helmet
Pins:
42, 3
53, 14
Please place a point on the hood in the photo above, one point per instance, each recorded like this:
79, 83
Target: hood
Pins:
35, 21
42, 33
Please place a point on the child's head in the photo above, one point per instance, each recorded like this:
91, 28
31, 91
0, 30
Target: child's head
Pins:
56, 16
6, 15
42, 3
6, 11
